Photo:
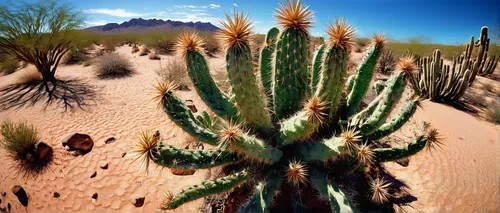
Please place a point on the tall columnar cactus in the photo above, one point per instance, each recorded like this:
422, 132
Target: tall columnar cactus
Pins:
265, 61
440, 82
303, 149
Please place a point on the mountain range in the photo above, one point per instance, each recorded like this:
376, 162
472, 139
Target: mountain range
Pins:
143, 25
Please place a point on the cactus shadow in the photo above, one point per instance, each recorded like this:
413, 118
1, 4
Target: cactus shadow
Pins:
67, 94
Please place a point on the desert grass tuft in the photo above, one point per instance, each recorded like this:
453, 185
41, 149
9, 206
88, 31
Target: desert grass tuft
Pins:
113, 65
18, 139
174, 71
492, 114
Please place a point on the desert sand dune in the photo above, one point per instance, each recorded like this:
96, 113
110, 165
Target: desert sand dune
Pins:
461, 177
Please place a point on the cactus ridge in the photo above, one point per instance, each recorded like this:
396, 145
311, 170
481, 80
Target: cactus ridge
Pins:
272, 140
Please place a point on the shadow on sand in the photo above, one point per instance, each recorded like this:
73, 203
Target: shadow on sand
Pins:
68, 94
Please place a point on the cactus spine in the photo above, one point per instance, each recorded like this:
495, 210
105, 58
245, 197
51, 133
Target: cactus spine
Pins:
317, 143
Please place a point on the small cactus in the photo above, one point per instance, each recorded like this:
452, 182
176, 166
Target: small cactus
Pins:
298, 145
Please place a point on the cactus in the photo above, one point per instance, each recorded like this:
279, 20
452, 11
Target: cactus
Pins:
318, 144
444, 83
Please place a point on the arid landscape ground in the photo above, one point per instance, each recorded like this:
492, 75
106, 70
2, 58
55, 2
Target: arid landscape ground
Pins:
463, 176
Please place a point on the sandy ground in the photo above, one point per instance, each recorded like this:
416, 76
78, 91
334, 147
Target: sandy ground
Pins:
462, 177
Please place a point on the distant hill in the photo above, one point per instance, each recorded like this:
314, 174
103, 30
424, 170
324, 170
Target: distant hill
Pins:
136, 25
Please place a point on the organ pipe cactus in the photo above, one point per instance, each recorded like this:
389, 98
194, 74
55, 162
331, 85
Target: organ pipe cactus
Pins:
440, 82
312, 147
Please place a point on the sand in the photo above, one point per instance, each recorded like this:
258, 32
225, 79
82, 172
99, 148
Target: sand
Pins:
462, 177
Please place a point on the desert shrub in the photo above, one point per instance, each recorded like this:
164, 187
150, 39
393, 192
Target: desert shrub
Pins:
110, 44
144, 51
154, 56
75, 56
18, 139
212, 47
493, 112
112, 65
174, 71
474, 99
135, 49
164, 46
8, 65
488, 87
362, 42
386, 62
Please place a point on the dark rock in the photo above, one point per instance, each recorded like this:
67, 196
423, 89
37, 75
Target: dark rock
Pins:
77, 141
43, 151
103, 164
110, 140
56, 195
137, 200
192, 107
94, 196
4, 194
20, 194
93, 175
182, 172
8, 207
123, 154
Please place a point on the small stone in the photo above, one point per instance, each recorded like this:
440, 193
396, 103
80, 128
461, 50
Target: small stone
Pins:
43, 151
93, 175
137, 200
77, 141
20, 194
9, 207
76, 152
94, 196
123, 154
56, 195
103, 164
4, 194
110, 140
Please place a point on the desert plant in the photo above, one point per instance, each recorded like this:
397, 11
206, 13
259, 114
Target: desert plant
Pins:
164, 46
493, 112
22, 143
174, 71
8, 65
444, 83
144, 51
113, 65
39, 33
76, 56
212, 47
292, 148
135, 48
386, 62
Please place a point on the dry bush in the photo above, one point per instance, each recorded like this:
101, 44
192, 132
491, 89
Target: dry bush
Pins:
8, 65
144, 51
220, 77
109, 45
174, 71
112, 65
474, 99
361, 43
164, 46
135, 49
212, 47
75, 56
154, 56
386, 62
493, 112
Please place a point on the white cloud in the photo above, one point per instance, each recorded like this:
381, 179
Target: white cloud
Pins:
113, 12
95, 23
214, 6
235, 4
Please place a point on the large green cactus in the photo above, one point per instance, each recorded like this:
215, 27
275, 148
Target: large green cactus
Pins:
444, 83
318, 144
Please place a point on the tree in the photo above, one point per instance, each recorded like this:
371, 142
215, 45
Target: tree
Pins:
39, 33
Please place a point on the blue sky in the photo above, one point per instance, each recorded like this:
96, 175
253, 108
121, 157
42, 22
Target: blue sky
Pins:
448, 22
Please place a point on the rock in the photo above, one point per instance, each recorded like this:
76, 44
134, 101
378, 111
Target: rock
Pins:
8, 207
4, 194
30, 158
0, 201
123, 154
110, 140
93, 175
76, 152
44, 151
77, 141
103, 164
177, 171
192, 107
137, 200
94, 196
20, 194
56, 195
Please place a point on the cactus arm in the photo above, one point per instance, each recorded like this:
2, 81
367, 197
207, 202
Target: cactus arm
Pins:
297, 127
397, 153
322, 150
397, 122
250, 100
206, 87
332, 77
316, 67
181, 115
291, 72
390, 96
206, 188
256, 148
365, 113
378, 86
350, 82
265, 61
339, 201
363, 78
171, 157
262, 198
